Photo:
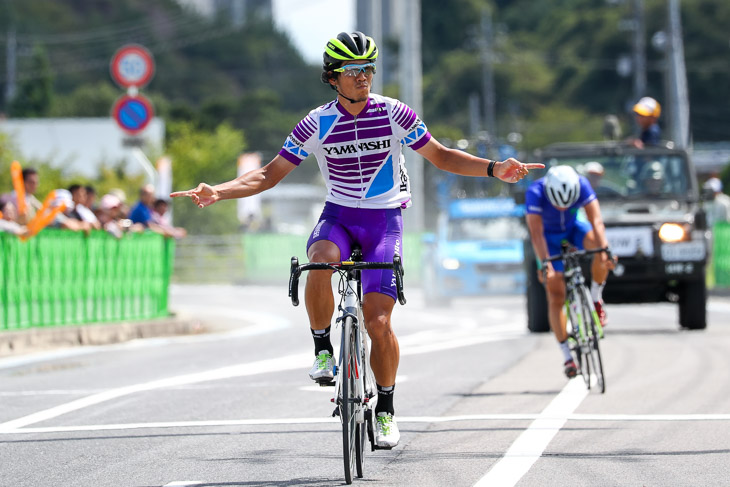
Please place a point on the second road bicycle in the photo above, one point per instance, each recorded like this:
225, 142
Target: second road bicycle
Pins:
586, 330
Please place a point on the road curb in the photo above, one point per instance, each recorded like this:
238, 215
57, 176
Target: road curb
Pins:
17, 342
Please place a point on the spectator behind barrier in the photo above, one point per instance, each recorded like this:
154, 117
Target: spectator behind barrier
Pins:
81, 211
8, 219
112, 215
141, 212
31, 180
161, 217
64, 219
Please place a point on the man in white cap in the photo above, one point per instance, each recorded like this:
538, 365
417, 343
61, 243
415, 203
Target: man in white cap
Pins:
647, 112
718, 206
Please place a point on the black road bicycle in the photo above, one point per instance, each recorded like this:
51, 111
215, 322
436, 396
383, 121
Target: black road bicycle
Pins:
355, 390
586, 330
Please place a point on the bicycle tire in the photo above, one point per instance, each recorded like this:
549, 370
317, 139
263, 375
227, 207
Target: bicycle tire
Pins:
346, 402
593, 340
578, 321
359, 406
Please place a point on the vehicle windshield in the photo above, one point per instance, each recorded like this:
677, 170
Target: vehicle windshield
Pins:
633, 175
501, 228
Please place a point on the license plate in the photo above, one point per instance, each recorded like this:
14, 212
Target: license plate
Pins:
683, 251
629, 241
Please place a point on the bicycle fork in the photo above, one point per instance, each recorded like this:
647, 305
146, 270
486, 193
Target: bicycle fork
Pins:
354, 367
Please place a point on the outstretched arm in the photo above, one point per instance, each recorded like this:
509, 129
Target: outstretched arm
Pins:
459, 162
248, 184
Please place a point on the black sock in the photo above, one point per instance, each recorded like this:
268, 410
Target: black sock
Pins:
322, 340
385, 400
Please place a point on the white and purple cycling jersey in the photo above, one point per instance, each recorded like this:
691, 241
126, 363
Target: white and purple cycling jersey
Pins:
360, 157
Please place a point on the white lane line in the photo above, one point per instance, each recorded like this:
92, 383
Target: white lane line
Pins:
401, 420
263, 366
60, 392
280, 364
528, 447
260, 323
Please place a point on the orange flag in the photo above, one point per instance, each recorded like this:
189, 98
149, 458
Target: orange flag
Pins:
16, 172
43, 217
46, 219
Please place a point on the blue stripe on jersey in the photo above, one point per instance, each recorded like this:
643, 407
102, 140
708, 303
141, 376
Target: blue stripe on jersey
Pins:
325, 124
383, 180
295, 149
416, 134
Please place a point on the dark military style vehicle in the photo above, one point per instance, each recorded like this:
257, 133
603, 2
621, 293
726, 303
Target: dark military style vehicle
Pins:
650, 203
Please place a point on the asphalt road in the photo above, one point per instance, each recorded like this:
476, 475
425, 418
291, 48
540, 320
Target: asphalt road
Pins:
479, 402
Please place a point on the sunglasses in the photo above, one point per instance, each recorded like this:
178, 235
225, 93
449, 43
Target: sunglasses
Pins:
352, 70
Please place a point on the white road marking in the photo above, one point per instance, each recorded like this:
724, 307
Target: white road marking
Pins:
261, 323
302, 360
52, 392
263, 366
183, 483
529, 446
401, 420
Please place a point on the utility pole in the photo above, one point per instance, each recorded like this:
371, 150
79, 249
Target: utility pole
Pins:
10, 66
639, 50
678, 102
372, 26
486, 41
411, 94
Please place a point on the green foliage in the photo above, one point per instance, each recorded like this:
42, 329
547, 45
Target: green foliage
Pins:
555, 123
204, 156
7, 156
116, 177
88, 100
35, 94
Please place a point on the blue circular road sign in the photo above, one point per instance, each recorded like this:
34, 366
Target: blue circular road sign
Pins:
133, 113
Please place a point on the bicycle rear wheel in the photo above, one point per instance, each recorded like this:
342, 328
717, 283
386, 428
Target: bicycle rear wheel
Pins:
581, 349
589, 312
347, 401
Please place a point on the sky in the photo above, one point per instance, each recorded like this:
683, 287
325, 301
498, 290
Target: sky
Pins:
311, 23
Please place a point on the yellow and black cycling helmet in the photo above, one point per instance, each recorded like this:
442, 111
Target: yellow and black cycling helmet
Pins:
346, 47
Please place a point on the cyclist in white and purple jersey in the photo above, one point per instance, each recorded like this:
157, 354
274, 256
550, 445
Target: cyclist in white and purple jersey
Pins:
552, 204
358, 141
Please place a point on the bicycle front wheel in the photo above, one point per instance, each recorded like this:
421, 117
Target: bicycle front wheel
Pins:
589, 311
347, 400
361, 380
582, 350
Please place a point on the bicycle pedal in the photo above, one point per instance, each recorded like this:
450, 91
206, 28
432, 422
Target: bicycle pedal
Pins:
376, 447
336, 412
326, 383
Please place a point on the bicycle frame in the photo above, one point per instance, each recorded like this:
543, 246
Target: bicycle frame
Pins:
582, 315
354, 380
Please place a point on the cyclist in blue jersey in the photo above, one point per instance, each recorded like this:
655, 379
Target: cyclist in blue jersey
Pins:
358, 140
552, 205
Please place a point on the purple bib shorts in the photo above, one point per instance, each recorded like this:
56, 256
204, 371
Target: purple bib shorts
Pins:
379, 233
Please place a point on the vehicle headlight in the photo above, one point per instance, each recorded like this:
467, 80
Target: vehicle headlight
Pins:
450, 263
673, 232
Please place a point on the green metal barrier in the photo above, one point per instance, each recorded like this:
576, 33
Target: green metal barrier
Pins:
721, 254
68, 278
267, 256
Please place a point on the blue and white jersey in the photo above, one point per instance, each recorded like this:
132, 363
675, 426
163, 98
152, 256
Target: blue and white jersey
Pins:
361, 157
554, 220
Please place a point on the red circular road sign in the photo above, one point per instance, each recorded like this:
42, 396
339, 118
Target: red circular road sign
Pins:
132, 65
133, 113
